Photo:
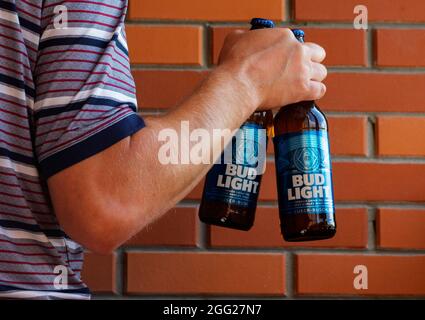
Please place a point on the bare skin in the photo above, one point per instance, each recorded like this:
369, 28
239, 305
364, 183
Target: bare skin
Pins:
104, 200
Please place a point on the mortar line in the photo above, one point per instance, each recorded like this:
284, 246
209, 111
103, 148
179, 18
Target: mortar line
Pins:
119, 270
341, 205
370, 47
289, 13
371, 229
206, 46
290, 274
203, 235
191, 203
284, 23
371, 137
280, 250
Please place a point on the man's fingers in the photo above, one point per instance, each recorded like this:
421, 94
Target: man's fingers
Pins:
317, 90
317, 53
318, 71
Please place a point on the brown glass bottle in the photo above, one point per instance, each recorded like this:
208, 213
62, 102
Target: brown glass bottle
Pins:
222, 203
303, 171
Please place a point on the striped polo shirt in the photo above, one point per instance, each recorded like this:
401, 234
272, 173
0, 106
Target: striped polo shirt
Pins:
66, 93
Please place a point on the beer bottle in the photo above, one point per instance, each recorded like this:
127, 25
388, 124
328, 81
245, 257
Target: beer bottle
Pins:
303, 171
231, 189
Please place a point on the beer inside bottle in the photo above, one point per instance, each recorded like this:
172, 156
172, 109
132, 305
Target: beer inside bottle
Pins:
231, 187
303, 171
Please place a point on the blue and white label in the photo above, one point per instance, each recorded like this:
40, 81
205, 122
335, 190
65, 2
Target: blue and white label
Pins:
237, 181
304, 175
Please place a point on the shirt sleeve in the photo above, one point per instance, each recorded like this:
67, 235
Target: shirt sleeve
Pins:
85, 93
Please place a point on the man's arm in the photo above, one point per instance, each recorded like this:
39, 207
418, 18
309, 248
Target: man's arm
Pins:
104, 200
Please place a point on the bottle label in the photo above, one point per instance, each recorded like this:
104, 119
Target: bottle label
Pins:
237, 182
304, 175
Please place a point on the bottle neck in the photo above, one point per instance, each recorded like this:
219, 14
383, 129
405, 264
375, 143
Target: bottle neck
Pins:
254, 27
261, 26
300, 39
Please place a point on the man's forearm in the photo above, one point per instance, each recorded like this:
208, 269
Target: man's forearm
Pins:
222, 102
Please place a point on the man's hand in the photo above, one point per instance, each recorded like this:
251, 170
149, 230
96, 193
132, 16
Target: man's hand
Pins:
275, 68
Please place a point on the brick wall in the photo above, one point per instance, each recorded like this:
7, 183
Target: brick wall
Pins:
376, 107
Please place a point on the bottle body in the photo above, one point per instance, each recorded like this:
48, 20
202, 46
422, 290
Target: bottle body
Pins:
231, 187
303, 172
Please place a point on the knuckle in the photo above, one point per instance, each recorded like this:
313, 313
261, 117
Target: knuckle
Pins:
299, 50
304, 72
321, 70
305, 50
298, 47
306, 69
302, 83
285, 32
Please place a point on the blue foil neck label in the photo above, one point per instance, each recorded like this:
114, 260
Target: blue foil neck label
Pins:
237, 182
303, 171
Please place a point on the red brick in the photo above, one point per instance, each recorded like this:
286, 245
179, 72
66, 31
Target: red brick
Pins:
333, 274
379, 181
381, 92
99, 272
348, 135
164, 44
351, 232
403, 136
217, 10
343, 46
196, 193
164, 88
378, 10
401, 228
178, 227
400, 47
358, 182
206, 273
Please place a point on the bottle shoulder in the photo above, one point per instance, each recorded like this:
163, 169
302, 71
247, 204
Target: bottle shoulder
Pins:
298, 117
262, 118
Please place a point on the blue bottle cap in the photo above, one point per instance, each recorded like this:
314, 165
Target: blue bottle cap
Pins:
298, 33
260, 22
